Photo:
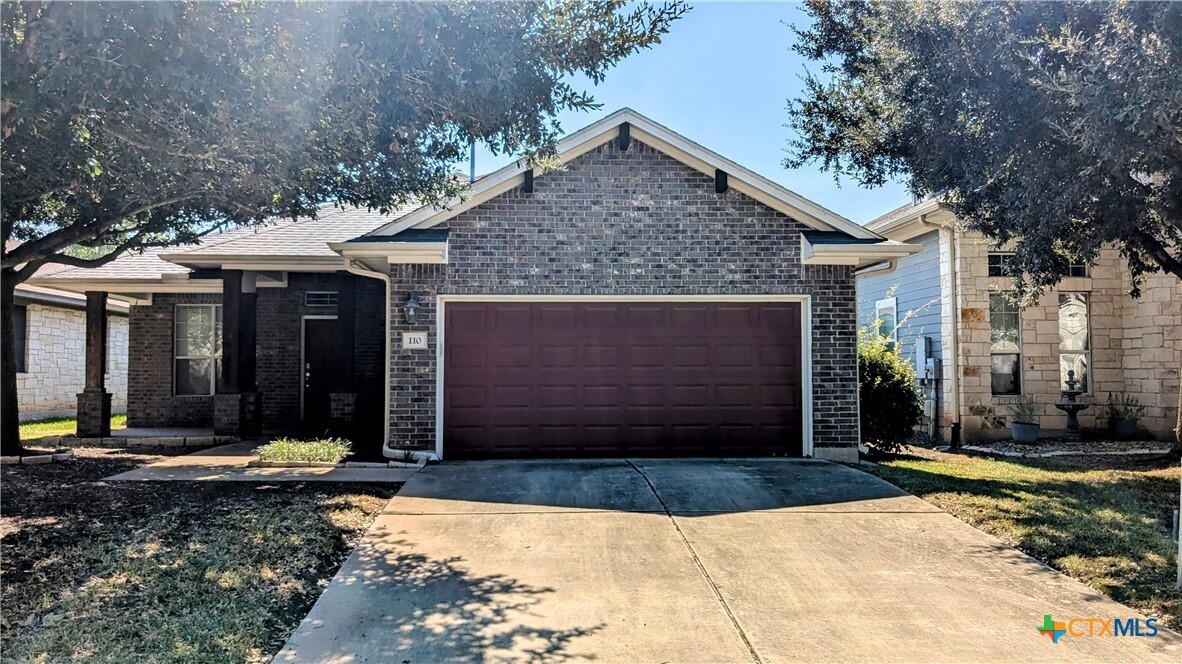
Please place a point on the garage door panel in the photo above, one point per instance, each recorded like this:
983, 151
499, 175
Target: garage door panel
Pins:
608, 379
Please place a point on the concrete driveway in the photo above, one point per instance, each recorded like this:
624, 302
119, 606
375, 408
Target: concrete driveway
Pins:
690, 561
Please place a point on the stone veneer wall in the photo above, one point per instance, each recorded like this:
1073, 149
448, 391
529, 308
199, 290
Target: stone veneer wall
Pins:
55, 362
1136, 344
634, 222
278, 375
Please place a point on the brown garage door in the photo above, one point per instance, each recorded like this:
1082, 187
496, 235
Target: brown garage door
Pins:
578, 379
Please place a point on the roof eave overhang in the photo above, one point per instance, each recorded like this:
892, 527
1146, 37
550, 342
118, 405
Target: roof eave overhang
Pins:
917, 221
664, 140
855, 255
433, 253
257, 263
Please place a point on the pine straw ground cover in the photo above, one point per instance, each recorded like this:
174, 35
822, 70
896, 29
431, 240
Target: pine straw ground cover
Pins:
1103, 520
165, 571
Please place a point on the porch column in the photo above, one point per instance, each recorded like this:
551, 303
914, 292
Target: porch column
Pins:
94, 402
236, 405
343, 399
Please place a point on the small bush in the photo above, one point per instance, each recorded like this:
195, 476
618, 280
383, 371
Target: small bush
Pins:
330, 450
886, 386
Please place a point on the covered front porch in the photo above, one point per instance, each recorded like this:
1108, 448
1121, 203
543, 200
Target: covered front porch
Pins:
239, 354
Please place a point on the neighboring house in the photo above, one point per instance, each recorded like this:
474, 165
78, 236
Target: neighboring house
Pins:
989, 353
50, 327
649, 298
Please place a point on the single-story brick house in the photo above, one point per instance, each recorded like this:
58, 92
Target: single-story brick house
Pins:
944, 303
651, 298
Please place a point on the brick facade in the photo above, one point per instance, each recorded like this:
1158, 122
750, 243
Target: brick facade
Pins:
279, 374
635, 222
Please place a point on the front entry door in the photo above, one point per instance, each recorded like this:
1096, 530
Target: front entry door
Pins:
320, 350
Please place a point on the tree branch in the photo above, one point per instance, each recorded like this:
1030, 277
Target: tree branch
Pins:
54, 242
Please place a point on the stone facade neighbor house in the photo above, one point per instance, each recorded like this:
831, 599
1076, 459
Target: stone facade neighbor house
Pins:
944, 303
649, 298
50, 327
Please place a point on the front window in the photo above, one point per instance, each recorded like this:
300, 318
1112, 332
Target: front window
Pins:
886, 313
1074, 346
1005, 351
197, 347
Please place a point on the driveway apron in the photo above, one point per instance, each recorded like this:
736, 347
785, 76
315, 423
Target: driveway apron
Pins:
689, 560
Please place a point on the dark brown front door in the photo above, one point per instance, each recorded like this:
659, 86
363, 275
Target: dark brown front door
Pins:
559, 379
320, 357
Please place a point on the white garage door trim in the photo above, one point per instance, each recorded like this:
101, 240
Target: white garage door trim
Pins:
806, 341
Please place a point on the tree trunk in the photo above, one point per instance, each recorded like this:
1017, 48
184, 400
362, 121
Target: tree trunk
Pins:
10, 431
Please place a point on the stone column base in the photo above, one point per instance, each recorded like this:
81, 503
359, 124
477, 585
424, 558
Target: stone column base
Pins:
237, 414
342, 407
94, 413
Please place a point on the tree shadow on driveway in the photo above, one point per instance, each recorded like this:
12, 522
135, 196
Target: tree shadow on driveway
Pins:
391, 603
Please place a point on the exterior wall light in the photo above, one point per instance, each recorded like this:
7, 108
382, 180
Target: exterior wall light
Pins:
411, 308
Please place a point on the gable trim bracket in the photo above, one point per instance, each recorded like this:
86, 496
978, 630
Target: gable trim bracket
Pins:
623, 126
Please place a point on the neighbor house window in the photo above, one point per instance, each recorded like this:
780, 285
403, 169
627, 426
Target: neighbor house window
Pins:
999, 264
197, 346
20, 324
1077, 270
1074, 346
1005, 351
886, 313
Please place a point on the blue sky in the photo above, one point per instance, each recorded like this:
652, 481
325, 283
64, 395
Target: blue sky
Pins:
722, 78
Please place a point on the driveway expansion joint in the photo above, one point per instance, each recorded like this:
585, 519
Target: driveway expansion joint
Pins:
701, 567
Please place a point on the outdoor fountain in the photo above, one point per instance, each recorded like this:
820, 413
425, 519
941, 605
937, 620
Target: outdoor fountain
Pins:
1072, 407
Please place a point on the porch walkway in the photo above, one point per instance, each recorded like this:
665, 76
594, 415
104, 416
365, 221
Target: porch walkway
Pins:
227, 463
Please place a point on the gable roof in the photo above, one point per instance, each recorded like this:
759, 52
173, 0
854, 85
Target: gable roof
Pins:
662, 139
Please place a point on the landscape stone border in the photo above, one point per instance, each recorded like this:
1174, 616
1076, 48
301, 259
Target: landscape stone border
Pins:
57, 456
158, 441
259, 463
1057, 448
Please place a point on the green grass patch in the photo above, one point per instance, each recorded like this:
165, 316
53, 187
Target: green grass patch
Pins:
61, 426
165, 571
325, 450
1106, 526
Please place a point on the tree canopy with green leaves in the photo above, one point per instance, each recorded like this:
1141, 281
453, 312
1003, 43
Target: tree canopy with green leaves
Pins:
133, 125
1055, 125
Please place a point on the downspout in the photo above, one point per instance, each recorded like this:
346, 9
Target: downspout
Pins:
954, 341
354, 267
878, 270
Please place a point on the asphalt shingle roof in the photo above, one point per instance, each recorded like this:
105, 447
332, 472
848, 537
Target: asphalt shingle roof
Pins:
307, 237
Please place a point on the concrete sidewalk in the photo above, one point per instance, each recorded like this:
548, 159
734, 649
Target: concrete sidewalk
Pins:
228, 463
690, 561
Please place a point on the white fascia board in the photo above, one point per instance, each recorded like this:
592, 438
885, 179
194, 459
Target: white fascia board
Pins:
858, 255
892, 227
663, 139
257, 263
394, 252
132, 287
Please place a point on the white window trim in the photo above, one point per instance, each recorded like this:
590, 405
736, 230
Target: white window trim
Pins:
806, 343
892, 304
213, 375
1021, 353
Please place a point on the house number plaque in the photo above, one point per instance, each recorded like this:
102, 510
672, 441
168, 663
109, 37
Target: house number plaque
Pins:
414, 340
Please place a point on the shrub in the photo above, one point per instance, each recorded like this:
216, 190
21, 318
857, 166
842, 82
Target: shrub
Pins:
330, 450
886, 387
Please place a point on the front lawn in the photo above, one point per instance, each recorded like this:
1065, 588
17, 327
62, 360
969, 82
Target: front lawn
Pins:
165, 571
61, 426
1104, 522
